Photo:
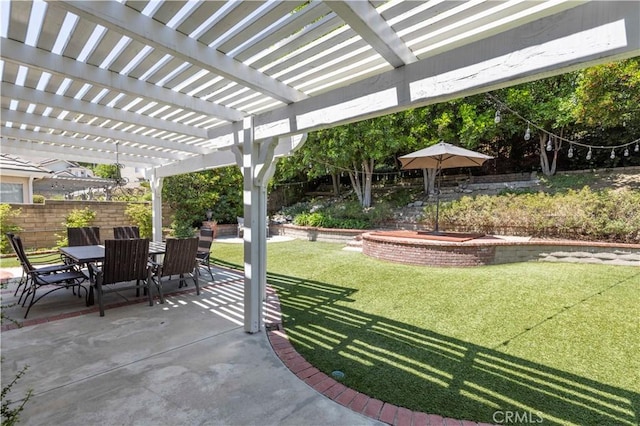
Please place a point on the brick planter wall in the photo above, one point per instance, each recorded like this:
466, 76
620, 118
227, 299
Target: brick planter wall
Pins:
316, 234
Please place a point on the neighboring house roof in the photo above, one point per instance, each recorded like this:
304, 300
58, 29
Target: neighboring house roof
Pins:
11, 165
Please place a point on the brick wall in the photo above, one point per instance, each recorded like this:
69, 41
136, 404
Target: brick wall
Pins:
436, 253
315, 234
41, 222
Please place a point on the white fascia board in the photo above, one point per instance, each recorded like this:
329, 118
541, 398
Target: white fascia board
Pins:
119, 18
77, 106
363, 18
611, 28
22, 54
87, 129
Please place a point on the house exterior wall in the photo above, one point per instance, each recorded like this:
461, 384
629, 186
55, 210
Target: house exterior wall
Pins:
27, 194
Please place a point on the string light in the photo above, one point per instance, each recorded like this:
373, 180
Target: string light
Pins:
559, 139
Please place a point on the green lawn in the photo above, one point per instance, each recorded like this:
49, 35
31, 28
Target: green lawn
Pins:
558, 341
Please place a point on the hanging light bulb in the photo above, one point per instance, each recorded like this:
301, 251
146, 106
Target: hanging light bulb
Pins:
626, 152
637, 148
497, 117
549, 147
570, 154
527, 133
589, 154
613, 154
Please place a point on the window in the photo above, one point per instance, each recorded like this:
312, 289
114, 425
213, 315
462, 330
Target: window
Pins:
11, 193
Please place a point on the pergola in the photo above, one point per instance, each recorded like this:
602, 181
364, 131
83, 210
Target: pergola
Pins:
182, 86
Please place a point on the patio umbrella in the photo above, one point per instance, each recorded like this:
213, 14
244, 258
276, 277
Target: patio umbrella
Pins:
442, 156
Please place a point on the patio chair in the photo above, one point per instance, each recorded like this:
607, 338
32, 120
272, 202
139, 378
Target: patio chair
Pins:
205, 239
36, 261
124, 232
240, 226
125, 261
85, 236
56, 276
179, 259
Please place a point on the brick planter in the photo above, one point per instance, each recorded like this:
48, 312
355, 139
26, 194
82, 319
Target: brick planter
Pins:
408, 248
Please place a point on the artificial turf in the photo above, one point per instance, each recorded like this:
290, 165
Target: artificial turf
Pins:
551, 342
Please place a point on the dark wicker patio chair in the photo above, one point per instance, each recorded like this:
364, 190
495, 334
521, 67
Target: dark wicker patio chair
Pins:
56, 276
179, 259
125, 261
205, 239
36, 261
124, 232
85, 236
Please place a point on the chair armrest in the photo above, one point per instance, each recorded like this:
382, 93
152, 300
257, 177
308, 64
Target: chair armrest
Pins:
94, 271
153, 266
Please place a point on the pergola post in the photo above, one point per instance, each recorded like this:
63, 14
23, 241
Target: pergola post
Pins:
257, 164
156, 205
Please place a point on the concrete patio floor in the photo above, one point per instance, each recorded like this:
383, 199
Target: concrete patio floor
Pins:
187, 362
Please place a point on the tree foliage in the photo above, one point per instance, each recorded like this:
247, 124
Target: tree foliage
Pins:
192, 194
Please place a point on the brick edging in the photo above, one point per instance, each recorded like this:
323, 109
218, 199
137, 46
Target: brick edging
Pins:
345, 396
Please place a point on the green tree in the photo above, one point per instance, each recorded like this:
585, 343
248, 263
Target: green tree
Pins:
192, 194
548, 104
354, 149
609, 95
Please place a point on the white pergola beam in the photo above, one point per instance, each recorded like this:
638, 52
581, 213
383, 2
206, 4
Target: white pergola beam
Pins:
104, 132
117, 17
224, 157
38, 97
13, 143
65, 143
22, 54
586, 35
363, 18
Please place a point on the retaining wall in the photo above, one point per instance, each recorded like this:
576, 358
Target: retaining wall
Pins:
416, 251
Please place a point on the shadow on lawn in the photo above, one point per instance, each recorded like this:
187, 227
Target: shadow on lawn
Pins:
436, 373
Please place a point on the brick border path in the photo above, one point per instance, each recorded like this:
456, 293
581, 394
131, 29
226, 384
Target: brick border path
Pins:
331, 388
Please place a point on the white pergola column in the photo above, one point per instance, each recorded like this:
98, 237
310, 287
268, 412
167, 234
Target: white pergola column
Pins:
257, 168
156, 205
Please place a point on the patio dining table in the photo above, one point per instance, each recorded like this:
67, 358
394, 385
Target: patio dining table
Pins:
88, 254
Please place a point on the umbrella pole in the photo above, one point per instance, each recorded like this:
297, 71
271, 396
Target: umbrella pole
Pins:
438, 171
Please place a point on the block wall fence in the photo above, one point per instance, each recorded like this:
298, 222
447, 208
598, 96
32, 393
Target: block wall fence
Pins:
41, 222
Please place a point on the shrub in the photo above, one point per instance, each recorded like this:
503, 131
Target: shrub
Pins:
141, 216
76, 219
585, 214
38, 199
7, 213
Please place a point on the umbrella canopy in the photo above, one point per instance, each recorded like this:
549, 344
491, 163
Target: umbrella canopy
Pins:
442, 156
